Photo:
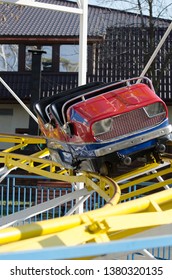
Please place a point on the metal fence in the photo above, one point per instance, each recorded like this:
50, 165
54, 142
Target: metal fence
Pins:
19, 192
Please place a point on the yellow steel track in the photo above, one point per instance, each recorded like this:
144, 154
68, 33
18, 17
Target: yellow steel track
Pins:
128, 210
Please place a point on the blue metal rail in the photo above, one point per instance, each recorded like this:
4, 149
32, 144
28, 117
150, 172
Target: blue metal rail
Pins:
91, 249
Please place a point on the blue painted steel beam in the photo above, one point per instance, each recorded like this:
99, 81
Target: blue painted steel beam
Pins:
61, 253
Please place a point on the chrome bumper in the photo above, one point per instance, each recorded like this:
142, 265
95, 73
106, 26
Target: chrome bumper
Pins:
133, 141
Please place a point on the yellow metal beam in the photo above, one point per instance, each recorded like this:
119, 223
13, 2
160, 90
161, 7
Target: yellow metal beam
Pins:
136, 214
114, 221
106, 187
21, 140
148, 176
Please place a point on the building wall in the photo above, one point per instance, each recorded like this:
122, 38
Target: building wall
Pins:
12, 116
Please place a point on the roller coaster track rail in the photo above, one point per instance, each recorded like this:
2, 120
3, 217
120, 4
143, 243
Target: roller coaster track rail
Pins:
136, 201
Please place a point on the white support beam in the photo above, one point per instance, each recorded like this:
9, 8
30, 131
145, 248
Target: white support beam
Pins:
83, 43
82, 10
33, 3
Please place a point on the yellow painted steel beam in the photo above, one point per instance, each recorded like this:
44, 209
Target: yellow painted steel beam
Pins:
147, 177
20, 141
157, 180
115, 220
146, 190
106, 187
5, 158
138, 171
21, 138
34, 164
136, 215
79, 229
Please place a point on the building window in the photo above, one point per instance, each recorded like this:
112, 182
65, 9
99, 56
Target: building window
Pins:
8, 57
69, 58
46, 59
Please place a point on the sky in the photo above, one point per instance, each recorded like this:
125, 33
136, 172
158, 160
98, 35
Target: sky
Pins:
117, 4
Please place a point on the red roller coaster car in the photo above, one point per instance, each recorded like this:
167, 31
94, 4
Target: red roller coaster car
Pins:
98, 126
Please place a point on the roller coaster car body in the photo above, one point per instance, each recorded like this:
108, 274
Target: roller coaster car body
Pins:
99, 126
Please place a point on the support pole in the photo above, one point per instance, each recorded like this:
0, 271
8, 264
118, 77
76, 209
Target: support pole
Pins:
83, 43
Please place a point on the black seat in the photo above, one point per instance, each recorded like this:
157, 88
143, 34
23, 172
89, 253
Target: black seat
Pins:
41, 105
56, 102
